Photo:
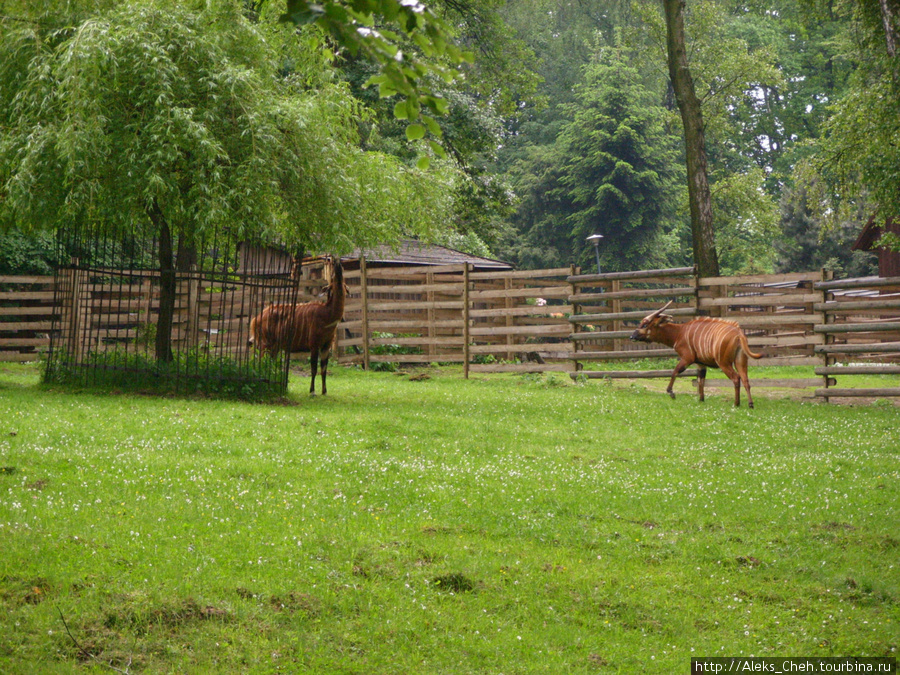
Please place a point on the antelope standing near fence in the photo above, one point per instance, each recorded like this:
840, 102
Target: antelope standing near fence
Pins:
706, 341
307, 327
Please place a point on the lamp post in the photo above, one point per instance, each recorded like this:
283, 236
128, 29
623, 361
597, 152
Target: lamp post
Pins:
595, 240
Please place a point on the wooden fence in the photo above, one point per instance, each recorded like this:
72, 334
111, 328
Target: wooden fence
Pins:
487, 321
26, 317
519, 321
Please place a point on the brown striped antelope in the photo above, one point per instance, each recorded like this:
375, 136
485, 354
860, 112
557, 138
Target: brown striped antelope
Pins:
307, 327
708, 342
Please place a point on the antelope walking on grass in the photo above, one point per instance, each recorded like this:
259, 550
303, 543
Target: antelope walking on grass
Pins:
706, 341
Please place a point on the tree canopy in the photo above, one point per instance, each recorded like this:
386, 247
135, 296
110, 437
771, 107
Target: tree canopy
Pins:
153, 109
318, 121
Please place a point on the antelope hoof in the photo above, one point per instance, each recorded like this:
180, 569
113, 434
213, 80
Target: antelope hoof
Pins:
670, 393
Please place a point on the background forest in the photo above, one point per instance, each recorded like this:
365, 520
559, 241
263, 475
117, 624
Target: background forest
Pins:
561, 124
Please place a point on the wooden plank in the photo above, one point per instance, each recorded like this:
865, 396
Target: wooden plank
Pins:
785, 341
874, 326
675, 291
27, 295
16, 279
10, 326
600, 335
561, 292
634, 374
560, 330
863, 282
24, 342
762, 300
834, 392
539, 347
760, 279
520, 274
873, 348
396, 306
873, 369
117, 333
788, 361
626, 316
769, 320
406, 326
522, 310
637, 274
454, 289
19, 357
391, 272
842, 306
422, 341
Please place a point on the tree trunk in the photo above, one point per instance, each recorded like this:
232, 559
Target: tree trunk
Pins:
166, 285
890, 17
705, 256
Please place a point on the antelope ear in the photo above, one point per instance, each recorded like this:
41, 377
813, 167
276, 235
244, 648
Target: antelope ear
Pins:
664, 318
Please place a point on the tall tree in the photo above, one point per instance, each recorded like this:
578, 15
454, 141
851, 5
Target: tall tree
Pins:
611, 171
702, 230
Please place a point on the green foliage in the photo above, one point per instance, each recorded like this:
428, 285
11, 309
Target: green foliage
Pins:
855, 163
746, 220
390, 349
890, 241
610, 171
402, 70
151, 104
808, 243
26, 253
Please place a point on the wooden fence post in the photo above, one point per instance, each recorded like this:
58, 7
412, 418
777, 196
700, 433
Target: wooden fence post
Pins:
74, 345
364, 298
616, 307
466, 351
576, 309
430, 315
829, 338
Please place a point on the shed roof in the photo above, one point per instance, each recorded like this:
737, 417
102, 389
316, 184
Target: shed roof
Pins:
411, 252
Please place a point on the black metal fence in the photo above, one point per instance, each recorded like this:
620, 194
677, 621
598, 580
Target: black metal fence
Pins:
125, 322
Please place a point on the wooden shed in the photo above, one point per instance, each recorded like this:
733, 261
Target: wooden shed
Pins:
888, 261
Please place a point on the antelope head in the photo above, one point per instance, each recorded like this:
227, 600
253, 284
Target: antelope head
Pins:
650, 322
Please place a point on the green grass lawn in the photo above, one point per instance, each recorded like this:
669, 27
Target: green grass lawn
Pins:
504, 524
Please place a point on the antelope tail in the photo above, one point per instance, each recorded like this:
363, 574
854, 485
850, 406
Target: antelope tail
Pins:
745, 346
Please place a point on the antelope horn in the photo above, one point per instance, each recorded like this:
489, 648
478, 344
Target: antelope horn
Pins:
660, 310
